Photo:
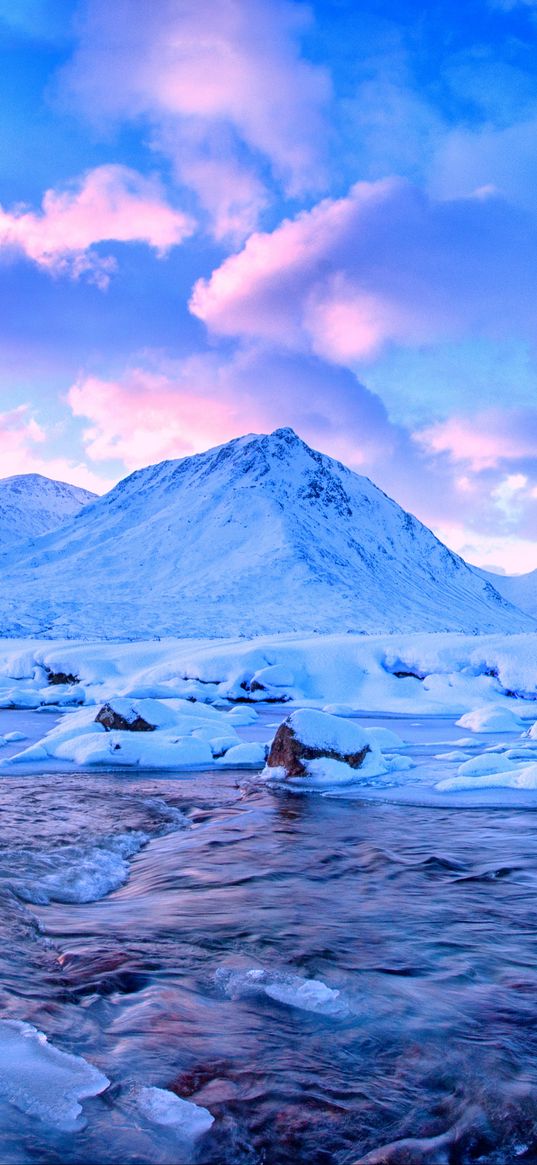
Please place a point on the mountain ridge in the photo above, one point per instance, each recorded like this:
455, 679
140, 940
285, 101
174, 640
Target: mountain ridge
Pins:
519, 589
259, 535
32, 504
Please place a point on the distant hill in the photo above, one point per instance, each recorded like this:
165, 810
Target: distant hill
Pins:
31, 505
520, 589
260, 535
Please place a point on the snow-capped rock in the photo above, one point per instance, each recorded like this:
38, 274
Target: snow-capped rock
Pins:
258, 536
31, 505
308, 735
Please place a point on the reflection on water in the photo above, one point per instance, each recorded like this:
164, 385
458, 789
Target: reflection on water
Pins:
424, 920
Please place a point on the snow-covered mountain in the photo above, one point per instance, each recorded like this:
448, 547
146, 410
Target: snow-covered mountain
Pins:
520, 589
31, 505
258, 536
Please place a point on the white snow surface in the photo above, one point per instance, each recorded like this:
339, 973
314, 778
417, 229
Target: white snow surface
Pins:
327, 733
43, 1081
458, 673
490, 719
260, 536
183, 738
32, 505
185, 685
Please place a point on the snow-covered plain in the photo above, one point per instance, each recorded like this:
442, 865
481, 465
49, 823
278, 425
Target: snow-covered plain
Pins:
409, 674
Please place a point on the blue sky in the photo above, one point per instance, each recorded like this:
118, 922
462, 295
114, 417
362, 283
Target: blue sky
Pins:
231, 215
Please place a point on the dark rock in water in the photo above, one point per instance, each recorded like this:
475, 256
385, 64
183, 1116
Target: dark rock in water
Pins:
62, 677
110, 718
289, 752
472, 1132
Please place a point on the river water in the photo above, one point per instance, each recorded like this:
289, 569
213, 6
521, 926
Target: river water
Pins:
134, 909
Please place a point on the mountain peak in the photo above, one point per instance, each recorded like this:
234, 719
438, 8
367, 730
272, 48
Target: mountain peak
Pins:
288, 435
262, 535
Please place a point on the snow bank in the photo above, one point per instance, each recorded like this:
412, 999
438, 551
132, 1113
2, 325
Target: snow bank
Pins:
422, 673
43, 1081
186, 736
524, 777
491, 719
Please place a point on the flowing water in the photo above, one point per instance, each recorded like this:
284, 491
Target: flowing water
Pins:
134, 910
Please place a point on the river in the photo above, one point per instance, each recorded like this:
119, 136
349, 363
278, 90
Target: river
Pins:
134, 909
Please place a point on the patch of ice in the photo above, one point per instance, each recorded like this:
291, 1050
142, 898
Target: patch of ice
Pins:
163, 1107
339, 710
42, 1081
284, 987
454, 755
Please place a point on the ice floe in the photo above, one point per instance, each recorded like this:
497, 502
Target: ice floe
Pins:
42, 1081
284, 987
189, 1121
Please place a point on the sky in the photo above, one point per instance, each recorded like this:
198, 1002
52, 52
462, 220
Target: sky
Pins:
228, 216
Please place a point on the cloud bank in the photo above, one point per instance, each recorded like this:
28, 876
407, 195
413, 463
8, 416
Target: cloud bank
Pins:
108, 203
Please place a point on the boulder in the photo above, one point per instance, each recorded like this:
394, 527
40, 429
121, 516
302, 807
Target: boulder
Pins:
307, 735
62, 677
127, 720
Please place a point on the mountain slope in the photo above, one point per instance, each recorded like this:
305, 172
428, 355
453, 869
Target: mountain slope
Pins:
31, 505
258, 536
520, 589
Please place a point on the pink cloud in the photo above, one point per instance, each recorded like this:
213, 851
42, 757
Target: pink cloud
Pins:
170, 408
508, 553
304, 286
108, 203
23, 449
149, 416
214, 80
385, 264
483, 440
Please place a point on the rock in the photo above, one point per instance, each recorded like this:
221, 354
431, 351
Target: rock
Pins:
308, 735
111, 718
471, 1131
62, 677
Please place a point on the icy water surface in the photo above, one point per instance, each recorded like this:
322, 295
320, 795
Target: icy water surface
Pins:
135, 909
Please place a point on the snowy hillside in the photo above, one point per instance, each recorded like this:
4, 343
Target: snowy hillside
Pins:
31, 505
520, 589
257, 536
